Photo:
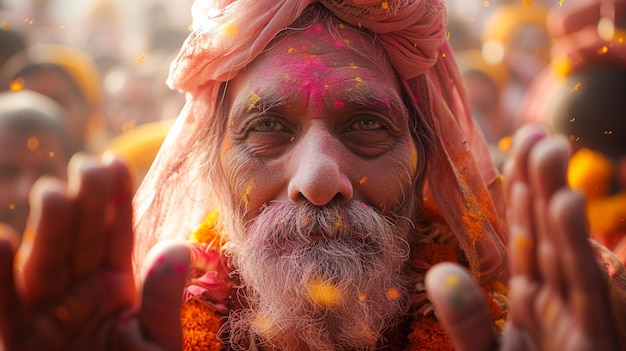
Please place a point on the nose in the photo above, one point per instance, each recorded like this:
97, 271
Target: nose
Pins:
319, 178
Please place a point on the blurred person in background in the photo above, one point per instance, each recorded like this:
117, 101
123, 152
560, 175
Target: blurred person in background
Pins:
12, 42
581, 96
515, 35
484, 83
130, 95
33, 143
139, 146
70, 77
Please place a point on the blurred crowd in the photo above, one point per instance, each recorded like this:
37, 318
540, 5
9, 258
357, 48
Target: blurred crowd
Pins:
96, 70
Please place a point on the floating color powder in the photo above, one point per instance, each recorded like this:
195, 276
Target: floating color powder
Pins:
324, 293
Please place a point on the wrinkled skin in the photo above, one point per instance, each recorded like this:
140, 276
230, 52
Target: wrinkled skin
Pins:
563, 306
71, 286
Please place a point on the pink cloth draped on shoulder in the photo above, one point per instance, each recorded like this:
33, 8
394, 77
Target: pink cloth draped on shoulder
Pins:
462, 185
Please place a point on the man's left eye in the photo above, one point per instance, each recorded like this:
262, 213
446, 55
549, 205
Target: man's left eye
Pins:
366, 124
268, 124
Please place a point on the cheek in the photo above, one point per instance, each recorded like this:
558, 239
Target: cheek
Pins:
251, 183
387, 182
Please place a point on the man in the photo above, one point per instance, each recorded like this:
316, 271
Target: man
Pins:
333, 163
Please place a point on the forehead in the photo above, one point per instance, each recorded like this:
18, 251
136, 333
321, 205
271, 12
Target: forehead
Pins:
318, 61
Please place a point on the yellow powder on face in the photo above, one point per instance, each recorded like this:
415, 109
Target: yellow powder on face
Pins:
324, 293
246, 194
338, 222
362, 180
253, 100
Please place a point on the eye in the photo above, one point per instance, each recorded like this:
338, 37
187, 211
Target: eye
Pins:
267, 125
367, 124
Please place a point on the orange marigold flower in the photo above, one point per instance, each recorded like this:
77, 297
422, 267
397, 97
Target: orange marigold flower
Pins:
207, 232
428, 334
200, 324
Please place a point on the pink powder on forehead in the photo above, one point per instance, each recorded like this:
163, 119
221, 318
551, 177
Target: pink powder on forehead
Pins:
309, 78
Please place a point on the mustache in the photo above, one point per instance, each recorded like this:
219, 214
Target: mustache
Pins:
333, 230
287, 225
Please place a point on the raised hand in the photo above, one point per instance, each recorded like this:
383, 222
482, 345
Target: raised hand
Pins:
70, 285
558, 297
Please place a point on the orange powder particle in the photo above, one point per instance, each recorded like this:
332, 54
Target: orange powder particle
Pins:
140, 59
32, 143
200, 325
17, 84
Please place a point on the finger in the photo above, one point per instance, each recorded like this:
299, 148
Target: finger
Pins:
42, 259
118, 255
547, 172
460, 307
522, 316
588, 293
522, 230
165, 278
11, 308
90, 183
516, 169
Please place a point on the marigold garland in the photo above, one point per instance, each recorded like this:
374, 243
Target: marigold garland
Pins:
200, 325
203, 312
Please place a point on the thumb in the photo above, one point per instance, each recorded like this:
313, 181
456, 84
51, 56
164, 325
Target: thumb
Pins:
460, 307
164, 280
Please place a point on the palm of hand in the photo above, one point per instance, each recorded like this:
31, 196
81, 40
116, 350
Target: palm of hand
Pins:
72, 287
558, 297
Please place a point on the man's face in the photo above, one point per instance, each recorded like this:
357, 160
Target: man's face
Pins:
321, 163
311, 122
24, 157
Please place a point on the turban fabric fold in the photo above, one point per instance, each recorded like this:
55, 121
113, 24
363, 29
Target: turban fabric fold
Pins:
462, 183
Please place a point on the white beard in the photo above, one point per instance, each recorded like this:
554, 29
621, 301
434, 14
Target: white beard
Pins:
354, 252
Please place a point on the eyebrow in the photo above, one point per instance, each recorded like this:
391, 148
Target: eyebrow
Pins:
374, 98
258, 101
366, 97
